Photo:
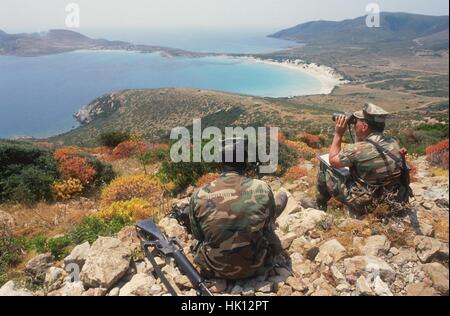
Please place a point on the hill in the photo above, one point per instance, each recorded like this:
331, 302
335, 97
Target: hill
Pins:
154, 112
60, 41
393, 27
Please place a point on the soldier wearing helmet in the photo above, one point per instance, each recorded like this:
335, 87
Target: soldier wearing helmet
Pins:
232, 220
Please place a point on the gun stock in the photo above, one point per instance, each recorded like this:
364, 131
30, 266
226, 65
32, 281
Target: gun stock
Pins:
152, 236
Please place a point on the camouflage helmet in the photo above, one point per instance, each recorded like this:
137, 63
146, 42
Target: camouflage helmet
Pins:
372, 112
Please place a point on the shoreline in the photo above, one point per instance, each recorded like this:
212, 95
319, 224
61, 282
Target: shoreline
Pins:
327, 76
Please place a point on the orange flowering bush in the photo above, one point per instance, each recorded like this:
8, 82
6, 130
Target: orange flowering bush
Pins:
438, 154
64, 152
127, 187
76, 167
313, 141
295, 173
302, 148
206, 178
129, 148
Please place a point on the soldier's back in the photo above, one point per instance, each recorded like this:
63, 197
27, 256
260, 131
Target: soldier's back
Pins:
230, 216
368, 164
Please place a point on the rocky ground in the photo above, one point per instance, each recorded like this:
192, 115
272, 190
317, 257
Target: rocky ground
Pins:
325, 254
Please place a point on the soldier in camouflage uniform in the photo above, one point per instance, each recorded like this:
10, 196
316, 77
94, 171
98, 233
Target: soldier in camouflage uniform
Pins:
232, 220
371, 172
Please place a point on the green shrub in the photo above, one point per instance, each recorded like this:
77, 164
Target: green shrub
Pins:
38, 243
104, 174
10, 252
92, 227
58, 246
26, 172
155, 155
287, 158
113, 138
183, 174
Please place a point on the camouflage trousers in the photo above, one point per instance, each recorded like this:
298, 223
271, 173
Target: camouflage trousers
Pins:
352, 194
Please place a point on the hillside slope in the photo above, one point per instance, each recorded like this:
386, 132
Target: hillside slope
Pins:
154, 112
393, 27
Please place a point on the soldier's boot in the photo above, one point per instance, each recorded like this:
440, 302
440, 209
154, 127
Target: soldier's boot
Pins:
322, 196
322, 202
281, 200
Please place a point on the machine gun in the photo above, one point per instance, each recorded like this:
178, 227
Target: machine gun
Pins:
152, 237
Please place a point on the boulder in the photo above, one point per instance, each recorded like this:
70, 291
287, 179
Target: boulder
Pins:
172, 228
182, 282
439, 275
95, 292
420, 289
380, 288
38, 266
363, 287
69, 289
287, 239
296, 284
54, 278
78, 255
10, 289
291, 207
107, 261
368, 265
141, 285
430, 249
129, 237
376, 245
404, 255
330, 252
284, 290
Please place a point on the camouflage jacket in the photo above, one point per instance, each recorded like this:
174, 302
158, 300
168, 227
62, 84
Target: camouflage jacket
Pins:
367, 164
229, 219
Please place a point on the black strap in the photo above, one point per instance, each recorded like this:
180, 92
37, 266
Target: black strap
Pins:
386, 152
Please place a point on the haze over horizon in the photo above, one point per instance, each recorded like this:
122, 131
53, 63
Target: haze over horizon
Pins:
34, 16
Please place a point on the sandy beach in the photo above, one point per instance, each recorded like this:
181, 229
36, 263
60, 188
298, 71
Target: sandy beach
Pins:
328, 77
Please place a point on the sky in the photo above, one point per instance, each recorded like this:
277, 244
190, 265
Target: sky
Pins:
41, 15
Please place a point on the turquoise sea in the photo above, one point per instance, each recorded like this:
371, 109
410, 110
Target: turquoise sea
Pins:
39, 95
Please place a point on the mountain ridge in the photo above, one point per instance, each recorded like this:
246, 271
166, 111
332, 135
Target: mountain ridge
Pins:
57, 41
394, 26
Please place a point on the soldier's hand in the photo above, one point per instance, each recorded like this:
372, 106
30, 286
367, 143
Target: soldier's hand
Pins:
341, 124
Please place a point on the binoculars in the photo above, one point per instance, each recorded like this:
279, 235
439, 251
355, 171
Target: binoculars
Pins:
351, 118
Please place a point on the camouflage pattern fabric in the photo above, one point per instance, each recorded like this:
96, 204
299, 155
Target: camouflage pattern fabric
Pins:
371, 173
372, 112
366, 162
232, 220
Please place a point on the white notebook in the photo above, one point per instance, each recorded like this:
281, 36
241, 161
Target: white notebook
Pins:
325, 158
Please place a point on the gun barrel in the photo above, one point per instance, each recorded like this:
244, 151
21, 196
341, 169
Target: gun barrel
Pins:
187, 268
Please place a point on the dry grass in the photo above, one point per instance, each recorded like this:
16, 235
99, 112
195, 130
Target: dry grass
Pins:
132, 166
49, 219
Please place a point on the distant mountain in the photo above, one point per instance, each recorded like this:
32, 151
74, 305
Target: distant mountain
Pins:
393, 27
60, 41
